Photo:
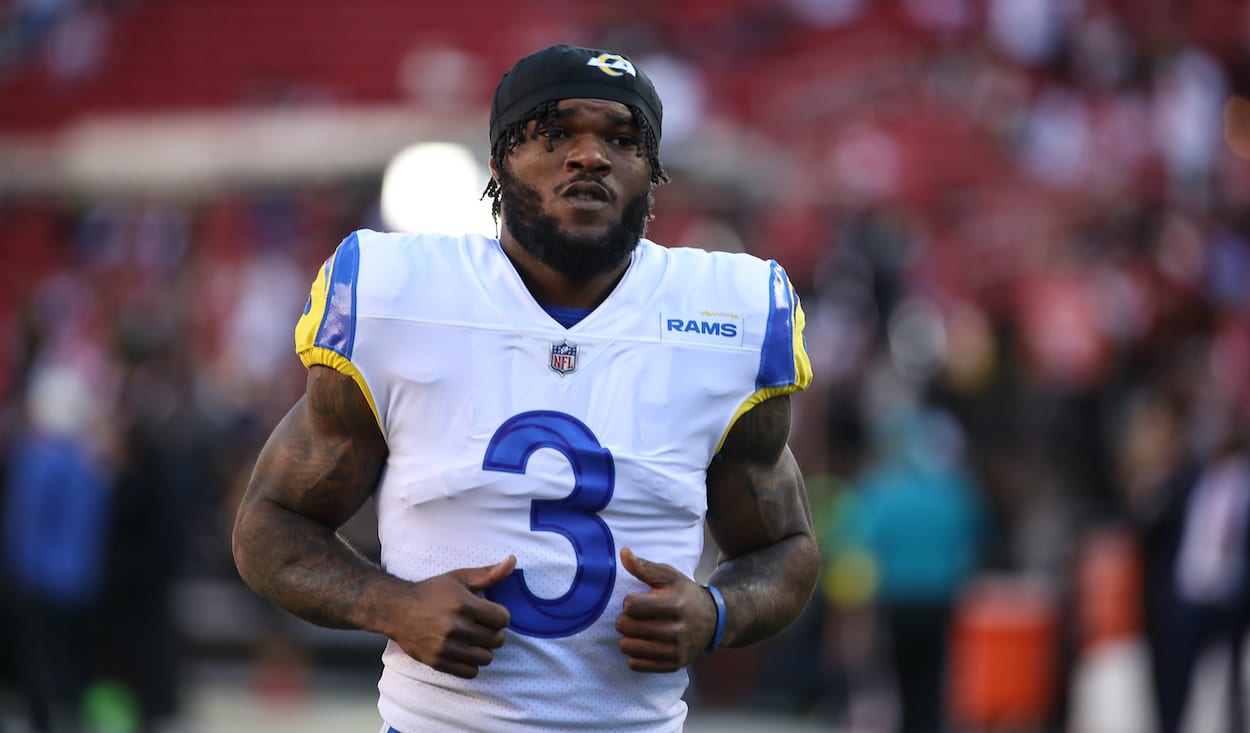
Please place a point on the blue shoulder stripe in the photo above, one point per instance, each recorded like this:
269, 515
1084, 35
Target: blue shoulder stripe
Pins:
337, 331
777, 367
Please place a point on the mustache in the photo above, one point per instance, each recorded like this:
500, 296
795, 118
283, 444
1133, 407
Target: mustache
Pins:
586, 177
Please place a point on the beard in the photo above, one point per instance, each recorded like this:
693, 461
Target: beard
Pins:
578, 258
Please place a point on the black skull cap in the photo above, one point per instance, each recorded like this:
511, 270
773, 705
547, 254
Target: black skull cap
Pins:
571, 72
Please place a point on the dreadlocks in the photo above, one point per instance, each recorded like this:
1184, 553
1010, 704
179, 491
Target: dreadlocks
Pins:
545, 113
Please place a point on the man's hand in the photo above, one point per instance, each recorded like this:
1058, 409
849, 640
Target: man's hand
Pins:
447, 625
664, 629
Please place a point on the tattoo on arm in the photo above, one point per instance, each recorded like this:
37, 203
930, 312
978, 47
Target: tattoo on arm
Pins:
761, 433
328, 459
320, 465
759, 517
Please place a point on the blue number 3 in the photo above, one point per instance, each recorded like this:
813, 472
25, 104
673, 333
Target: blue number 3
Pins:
575, 516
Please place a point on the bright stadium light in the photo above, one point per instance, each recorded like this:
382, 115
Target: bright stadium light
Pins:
436, 187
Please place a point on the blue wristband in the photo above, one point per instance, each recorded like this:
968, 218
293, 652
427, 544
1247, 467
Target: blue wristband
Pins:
719, 600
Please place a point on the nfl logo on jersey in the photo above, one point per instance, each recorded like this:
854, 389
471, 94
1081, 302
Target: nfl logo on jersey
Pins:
563, 357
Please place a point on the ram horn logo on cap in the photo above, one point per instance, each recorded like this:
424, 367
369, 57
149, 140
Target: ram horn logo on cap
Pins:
612, 64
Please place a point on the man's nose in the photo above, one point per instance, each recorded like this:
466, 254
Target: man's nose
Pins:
588, 153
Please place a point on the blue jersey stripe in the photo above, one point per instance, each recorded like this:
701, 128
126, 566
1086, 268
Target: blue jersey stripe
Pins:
337, 331
777, 353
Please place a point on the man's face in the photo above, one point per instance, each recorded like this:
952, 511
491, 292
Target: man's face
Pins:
581, 206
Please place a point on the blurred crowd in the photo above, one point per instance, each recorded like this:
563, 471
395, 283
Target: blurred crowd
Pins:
1022, 241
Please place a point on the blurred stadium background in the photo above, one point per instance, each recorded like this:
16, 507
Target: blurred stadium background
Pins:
1019, 228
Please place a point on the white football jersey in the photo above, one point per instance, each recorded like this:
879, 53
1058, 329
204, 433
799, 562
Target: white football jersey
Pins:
510, 434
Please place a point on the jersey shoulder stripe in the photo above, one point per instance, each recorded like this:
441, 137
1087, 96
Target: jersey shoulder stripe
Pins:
329, 319
783, 356
785, 367
326, 332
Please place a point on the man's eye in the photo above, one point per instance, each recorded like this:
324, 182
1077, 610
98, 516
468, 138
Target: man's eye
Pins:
552, 132
625, 141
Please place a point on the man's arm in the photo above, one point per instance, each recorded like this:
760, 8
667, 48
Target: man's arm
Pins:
759, 517
320, 465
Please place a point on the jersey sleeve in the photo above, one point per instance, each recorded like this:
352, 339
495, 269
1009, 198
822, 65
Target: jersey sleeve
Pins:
326, 332
784, 364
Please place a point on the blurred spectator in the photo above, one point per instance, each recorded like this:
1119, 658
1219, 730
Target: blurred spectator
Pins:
77, 46
1196, 517
1031, 31
1212, 587
165, 479
1189, 98
24, 26
919, 518
58, 508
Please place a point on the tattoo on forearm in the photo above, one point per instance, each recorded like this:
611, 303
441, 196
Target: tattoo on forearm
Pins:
313, 572
765, 590
319, 467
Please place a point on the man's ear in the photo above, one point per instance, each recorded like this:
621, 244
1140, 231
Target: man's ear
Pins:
494, 174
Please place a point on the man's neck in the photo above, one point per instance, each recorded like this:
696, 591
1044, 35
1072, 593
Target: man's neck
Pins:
551, 287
